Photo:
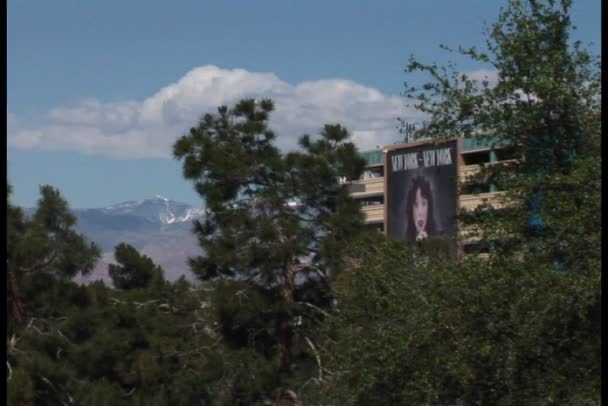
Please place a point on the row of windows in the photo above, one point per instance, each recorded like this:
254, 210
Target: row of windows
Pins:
373, 173
371, 201
469, 188
466, 188
475, 187
487, 156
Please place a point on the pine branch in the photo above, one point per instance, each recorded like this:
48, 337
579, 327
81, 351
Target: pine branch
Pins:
314, 307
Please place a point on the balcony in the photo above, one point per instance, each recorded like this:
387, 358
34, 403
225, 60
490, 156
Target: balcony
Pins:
373, 214
471, 202
367, 187
467, 171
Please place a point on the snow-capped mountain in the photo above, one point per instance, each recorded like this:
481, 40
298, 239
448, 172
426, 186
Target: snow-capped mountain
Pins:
158, 209
158, 227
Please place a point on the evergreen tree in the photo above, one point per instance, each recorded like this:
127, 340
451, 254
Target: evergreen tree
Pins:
45, 245
15, 226
134, 270
276, 222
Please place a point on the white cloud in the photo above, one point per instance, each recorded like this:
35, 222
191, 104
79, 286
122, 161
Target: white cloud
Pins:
148, 128
491, 75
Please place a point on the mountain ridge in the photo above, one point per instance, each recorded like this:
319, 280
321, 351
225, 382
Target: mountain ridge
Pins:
158, 227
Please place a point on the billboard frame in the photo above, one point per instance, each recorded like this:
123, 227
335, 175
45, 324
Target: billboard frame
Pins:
459, 163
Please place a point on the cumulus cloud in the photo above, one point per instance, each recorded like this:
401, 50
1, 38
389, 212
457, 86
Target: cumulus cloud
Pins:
490, 75
148, 128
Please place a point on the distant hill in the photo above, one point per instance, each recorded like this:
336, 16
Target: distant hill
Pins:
158, 227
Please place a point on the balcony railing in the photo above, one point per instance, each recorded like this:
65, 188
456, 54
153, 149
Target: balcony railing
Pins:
368, 187
373, 214
471, 202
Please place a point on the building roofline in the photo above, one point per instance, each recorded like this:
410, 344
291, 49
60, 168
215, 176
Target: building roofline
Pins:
419, 143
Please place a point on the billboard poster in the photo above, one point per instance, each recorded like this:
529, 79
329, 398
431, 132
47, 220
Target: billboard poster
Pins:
421, 191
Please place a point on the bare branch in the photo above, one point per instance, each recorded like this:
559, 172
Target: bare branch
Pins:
186, 353
45, 380
140, 304
129, 393
40, 265
314, 307
12, 344
167, 306
312, 347
62, 335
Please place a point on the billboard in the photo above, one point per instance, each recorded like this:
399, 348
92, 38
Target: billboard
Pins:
421, 191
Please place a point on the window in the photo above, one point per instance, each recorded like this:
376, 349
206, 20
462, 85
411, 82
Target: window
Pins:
505, 154
475, 188
373, 173
476, 158
372, 201
379, 227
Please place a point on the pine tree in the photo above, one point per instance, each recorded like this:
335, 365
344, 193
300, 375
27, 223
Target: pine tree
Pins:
45, 244
15, 227
134, 270
273, 219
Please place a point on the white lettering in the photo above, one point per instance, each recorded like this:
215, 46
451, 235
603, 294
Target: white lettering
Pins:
411, 161
397, 161
444, 156
429, 158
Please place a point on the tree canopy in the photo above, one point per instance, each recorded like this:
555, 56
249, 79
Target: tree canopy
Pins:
276, 224
133, 270
522, 326
45, 244
297, 304
545, 106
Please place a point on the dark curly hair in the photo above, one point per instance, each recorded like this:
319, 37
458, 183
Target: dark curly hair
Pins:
421, 183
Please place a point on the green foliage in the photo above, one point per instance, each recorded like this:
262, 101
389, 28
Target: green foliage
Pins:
545, 105
134, 270
266, 209
47, 242
405, 324
41, 247
153, 343
141, 346
274, 232
522, 326
414, 329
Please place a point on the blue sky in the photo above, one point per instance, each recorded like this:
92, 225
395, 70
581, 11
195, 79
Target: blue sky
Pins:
99, 90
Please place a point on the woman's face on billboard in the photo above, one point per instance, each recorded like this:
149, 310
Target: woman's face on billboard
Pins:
421, 210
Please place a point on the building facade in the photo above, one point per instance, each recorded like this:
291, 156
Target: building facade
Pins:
371, 189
